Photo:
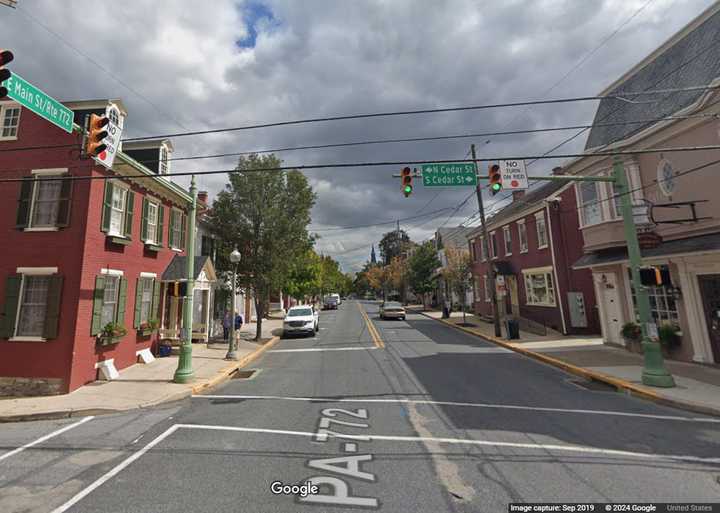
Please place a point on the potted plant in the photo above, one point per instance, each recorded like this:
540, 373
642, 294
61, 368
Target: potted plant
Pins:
148, 327
111, 334
669, 336
632, 334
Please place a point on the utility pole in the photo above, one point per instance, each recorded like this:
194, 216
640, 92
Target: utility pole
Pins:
184, 372
654, 371
486, 245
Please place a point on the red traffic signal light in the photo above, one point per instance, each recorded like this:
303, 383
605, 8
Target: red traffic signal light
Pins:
96, 134
5, 57
495, 177
406, 180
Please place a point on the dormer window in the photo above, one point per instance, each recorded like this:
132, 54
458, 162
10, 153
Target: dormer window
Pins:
164, 167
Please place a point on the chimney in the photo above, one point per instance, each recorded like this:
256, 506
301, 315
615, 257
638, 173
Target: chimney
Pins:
558, 171
202, 197
518, 194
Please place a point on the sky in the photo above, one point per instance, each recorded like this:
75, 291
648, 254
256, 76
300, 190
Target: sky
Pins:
183, 66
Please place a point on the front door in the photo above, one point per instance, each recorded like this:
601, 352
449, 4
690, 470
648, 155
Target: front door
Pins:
710, 292
512, 288
609, 296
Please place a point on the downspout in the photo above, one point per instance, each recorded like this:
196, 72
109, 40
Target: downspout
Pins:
554, 264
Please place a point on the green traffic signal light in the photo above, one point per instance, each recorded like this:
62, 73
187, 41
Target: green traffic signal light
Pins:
496, 187
407, 190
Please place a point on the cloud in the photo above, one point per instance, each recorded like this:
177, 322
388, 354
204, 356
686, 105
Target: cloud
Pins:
236, 63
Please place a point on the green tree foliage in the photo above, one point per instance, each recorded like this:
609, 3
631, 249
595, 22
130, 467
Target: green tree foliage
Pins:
422, 264
265, 214
303, 278
393, 244
458, 272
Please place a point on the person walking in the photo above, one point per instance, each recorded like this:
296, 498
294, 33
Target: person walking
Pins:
238, 324
226, 326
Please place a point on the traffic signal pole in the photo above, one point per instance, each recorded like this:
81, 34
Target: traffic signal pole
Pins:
486, 245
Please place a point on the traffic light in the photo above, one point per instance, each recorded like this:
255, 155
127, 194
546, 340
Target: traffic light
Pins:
495, 178
655, 276
96, 134
5, 57
406, 179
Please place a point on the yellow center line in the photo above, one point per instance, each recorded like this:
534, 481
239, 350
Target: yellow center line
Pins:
371, 328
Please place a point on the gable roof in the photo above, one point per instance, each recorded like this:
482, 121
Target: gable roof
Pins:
690, 58
177, 268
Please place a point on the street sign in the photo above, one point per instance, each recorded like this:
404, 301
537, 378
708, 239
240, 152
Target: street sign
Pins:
112, 141
40, 103
514, 174
453, 174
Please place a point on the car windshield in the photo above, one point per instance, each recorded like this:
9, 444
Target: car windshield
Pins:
300, 312
393, 305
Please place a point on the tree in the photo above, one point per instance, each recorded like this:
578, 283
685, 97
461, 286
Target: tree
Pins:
393, 244
458, 272
422, 266
265, 214
303, 278
378, 278
397, 275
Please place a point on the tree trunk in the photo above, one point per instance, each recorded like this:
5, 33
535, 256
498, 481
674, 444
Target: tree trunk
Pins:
259, 312
463, 305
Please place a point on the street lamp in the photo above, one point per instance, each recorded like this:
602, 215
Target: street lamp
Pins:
235, 257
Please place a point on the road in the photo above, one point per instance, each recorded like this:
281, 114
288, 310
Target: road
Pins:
426, 418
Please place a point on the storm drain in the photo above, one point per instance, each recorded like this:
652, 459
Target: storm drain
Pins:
245, 374
593, 385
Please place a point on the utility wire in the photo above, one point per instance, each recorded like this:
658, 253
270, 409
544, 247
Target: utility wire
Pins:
382, 223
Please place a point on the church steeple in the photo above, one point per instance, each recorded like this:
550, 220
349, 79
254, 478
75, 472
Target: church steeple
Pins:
373, 260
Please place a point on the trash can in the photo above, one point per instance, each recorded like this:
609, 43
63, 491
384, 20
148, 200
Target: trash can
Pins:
513, 329
164, 350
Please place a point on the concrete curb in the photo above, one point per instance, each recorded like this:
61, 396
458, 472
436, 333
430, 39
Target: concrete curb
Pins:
619, 384
222, 376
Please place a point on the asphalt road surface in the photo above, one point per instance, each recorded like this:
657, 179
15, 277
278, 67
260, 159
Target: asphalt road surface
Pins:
410, 416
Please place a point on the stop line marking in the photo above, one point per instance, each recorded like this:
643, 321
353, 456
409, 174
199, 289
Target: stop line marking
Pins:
45, 438
468, 405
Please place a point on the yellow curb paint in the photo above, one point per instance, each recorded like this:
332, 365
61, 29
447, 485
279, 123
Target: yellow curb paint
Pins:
227, 371
374, 334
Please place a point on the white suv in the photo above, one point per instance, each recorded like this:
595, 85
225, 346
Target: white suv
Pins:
301, 319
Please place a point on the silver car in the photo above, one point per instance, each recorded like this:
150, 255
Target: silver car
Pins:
392, 310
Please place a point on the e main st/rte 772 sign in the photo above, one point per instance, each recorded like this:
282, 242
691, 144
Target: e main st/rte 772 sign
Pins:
452, 174
39, 102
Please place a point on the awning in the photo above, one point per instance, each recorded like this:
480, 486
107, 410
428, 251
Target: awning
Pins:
693, 245
177, 269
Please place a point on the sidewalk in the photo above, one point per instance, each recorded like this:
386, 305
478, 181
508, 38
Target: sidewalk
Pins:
145, 385
697, 386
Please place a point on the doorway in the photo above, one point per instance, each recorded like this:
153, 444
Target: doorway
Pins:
513, 299
710, 293
609, 297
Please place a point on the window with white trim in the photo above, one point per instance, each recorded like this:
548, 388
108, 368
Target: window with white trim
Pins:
10, 118
493, 245
486, 286
146, 298
542, 234
507, 236
588, 194
176, 225
539, 288
117, 210
663, 307
483, 252
110, 299
522, 236
152, 222
164, 166
33, 305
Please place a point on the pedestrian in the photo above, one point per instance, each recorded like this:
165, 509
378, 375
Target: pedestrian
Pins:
238, 323
226, 326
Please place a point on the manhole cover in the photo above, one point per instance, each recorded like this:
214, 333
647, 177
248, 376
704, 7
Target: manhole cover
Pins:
591, 384
243, 374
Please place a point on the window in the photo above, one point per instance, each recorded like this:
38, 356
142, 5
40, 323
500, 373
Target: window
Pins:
146, 286
539, 289
493, 245
110, 299
117, 218
10, 116
117, 215
542, 234
151, 228
522, 236
483, 251
163, 167
508, 240
32, 304
44, 200
588, 198
486, 286
663, 307
177, 229
152, 222
472, 251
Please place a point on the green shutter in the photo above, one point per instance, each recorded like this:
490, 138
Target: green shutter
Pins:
156, 300
138, 303
183, 229
98, 297
171, 232
161, 213
52, 313
63, 218
120, 314
129, 213
24, 203
12, 298
107, 207
144, 221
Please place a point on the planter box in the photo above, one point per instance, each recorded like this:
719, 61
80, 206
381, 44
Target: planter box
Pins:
119, 240
108, 341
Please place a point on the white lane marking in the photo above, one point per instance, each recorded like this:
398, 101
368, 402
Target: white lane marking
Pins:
317, 349
116, 470
469, 405
462, 441
46, 437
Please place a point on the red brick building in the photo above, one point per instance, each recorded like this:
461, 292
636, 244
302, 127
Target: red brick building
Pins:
533, 243
78, 253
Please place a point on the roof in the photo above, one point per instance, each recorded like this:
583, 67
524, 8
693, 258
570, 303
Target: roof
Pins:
701, 244
177, 268
690, 60
455, 237
525, 202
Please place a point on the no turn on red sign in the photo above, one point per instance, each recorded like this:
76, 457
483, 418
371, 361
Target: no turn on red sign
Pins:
514, 174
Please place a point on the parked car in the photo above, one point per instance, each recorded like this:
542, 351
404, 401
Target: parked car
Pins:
392, 310
337, 297
330, 303
301, 320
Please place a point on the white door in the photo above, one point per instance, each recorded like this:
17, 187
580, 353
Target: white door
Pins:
606, 285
